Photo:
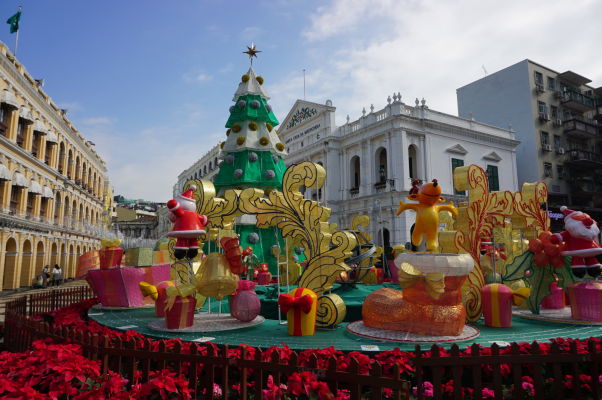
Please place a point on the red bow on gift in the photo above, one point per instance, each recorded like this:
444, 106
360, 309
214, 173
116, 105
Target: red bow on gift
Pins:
286, 302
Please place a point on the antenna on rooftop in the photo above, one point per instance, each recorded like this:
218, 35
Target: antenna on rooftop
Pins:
484, 69
303, 83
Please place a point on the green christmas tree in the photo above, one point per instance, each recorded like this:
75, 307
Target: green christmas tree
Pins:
252, 158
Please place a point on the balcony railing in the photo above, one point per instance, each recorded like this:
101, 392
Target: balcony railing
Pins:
576, 100
580, 127
354, 192
586, 186
584, 157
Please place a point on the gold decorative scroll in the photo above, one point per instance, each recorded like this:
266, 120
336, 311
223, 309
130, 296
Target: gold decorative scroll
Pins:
220, 211
484, 211
527, 208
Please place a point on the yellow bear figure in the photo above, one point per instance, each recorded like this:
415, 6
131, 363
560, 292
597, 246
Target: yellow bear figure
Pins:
427, 213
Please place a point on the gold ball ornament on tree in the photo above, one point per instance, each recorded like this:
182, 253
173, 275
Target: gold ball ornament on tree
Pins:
269, 126
236, 128
253, 126
240, 140
264, 141
245, 78
222, 144
260, 80
280, 146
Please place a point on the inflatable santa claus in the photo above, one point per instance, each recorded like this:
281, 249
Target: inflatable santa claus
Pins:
188, 225
580, 242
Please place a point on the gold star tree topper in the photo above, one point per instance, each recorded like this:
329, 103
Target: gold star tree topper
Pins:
252, 52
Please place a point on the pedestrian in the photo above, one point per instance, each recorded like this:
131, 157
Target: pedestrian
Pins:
39, 282
46, 275
56, 275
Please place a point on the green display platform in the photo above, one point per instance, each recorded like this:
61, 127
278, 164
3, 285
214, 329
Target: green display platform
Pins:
271, 333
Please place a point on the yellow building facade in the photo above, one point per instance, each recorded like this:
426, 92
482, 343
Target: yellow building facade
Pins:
53, 186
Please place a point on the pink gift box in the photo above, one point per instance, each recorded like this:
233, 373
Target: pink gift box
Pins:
586, 301
118, 287
555, 300
497, 305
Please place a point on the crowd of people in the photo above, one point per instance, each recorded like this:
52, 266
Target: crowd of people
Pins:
49, 278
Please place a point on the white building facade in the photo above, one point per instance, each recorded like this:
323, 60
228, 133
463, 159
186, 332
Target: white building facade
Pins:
205, 168
371, 162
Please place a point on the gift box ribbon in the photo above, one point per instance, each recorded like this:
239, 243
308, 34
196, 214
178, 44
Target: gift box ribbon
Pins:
410, 275
287, 302
173, 292
106, 243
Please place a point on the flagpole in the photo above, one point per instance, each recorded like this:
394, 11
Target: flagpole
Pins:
16, 43
17, 36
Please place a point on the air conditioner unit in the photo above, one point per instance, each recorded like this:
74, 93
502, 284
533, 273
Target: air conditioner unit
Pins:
558, 122
544, 116
539, 88
546, 147
560, 150
558, 94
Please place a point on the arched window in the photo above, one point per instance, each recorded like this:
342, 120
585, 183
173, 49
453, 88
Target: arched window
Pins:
210, 166
381, 165
412, 160
204, 170
355, 172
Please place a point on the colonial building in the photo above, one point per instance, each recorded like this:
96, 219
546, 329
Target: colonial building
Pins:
205, 168
371, 162
557, 117
53, 186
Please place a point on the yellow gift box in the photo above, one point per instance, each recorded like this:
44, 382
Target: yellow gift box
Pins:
300, 306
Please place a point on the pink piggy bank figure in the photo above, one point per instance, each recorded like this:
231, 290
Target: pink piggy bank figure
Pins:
245, 305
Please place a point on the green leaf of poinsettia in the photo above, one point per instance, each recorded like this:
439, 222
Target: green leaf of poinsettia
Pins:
516, 269
539, 280
565, 274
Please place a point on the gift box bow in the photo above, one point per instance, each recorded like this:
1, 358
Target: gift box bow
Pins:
174, 292
287, 302
106, 243
434, 281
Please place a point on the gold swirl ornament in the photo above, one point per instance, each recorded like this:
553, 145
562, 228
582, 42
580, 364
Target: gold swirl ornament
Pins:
331, 311
410, 275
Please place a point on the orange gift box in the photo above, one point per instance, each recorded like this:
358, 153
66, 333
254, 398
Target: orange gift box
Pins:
181, 314
497, 305
87, 261
161, 257
300, 306
110, 257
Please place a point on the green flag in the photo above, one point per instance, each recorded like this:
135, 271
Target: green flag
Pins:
14, 22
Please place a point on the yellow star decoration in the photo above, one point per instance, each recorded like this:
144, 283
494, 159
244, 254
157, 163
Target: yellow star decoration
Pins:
252, 52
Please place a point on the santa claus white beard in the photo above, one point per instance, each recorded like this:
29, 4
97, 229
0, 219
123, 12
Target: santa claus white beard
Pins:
578, 229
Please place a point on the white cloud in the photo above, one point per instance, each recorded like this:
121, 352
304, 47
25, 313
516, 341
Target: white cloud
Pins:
197, 77
360, 52
251, 34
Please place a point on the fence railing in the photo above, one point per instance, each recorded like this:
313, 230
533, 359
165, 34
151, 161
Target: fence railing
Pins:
203, 364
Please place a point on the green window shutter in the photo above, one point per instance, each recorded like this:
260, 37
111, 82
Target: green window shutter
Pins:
493, 178
456, 162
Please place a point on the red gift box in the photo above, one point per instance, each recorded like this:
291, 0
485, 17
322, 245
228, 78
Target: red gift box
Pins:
110, 257
181, 314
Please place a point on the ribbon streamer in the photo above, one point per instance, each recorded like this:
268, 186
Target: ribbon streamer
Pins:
434, 281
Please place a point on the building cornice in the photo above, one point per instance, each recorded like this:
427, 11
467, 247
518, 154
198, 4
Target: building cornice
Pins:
51, 112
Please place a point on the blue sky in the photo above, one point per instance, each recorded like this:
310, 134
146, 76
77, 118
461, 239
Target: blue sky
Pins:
150, 82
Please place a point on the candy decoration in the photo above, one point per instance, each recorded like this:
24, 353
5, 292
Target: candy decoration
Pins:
300, 306
245, 305
331, 311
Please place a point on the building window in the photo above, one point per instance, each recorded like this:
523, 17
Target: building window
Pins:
547, 170
554, 112
538, 78
493, 178
21, 132
455, 164
557, 142
560, 171
545, 138
551, 83
543, 109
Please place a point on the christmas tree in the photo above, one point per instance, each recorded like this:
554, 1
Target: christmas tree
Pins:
252, 158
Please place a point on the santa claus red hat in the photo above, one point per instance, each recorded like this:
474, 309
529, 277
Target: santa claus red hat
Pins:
567, 211
188, 195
